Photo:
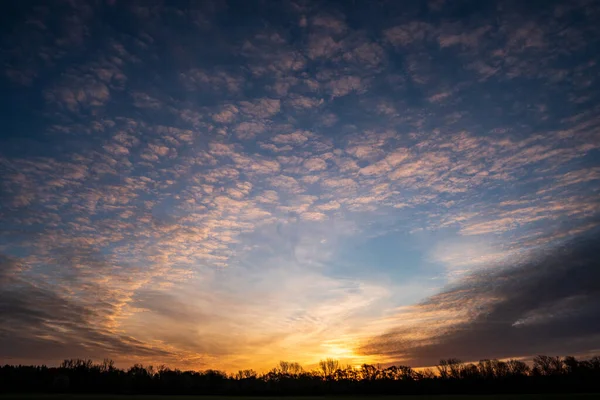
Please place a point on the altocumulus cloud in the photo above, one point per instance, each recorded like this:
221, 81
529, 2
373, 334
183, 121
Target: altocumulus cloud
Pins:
314, 180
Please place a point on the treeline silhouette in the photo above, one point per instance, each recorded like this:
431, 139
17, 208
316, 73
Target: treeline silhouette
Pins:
450, 376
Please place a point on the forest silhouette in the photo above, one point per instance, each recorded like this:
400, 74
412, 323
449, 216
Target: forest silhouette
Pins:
451, 376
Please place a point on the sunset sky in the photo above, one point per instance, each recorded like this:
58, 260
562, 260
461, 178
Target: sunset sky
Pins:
225, 185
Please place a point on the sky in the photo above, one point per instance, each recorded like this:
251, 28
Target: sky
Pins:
226, 185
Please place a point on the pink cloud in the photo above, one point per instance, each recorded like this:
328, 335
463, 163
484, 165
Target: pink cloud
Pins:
406, 34
248, 130
315, 164
262, 108
345, 85
330, 23
226, 115
304, 102
195, 79
294, 138
322, 46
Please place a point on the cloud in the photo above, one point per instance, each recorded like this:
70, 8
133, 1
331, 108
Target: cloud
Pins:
322, 47
226, 115
287, 183
273, 148
144, 100
196, 79
303, 102
244, 172
545, 304
249, 129
313, 216
261, 108
438, 97
154, 152
345, 85
79, 93
466, 39
294, 138
116, 149
315, 164
404, 35
43, 325
329, 23
365, 53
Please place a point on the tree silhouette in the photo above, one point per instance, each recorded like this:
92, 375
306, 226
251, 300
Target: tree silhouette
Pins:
548, 374
546, 365
328, 367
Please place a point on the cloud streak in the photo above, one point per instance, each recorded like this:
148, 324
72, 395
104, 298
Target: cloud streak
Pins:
546, 304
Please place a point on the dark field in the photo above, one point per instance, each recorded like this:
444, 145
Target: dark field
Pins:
432, 397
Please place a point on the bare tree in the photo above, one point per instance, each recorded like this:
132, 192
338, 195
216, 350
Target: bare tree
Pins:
289, 368
450, 368
328, 367
443, 369
245, 374
369, 372
107, 365
517, 367
548, 365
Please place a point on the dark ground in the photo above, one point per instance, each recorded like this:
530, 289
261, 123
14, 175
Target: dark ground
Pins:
433, 397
